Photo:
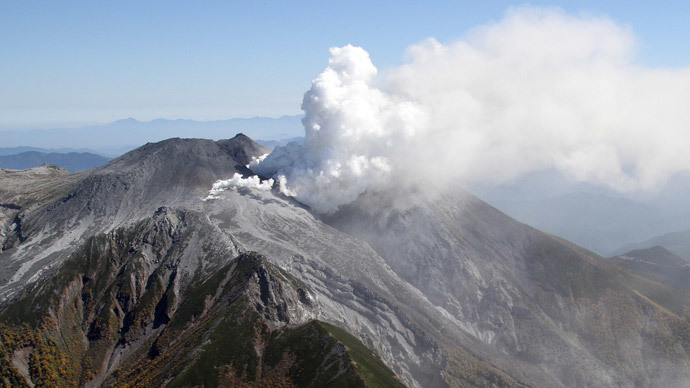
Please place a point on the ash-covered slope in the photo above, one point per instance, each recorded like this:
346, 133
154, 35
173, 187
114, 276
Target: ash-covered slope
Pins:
351, 286
171, 301
136, 274
22, 189
535, 298
51, 213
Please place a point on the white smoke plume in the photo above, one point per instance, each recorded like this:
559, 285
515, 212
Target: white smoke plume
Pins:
539, 89
351, 129
256, 160
238, 181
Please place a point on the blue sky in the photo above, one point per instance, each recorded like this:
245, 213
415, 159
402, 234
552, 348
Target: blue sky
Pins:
65, 63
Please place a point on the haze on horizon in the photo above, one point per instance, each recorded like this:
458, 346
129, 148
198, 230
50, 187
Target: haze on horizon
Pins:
79, 63
511, 89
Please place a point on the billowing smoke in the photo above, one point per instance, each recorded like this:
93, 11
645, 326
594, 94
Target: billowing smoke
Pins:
353, 130
539, 89
238, 181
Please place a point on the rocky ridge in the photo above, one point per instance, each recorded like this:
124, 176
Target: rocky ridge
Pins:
129, 266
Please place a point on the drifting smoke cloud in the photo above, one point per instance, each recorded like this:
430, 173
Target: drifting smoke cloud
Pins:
539, 89
352, 131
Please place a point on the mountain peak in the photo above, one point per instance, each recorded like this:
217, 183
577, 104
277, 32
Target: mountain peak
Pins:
140, 281
242, 148
657, 263
128, 120
657, 255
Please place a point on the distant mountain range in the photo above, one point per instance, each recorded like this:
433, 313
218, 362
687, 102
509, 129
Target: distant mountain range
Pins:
115, 138
276, 143
71, 161
677, 242
18, 150
594, 217
598, 222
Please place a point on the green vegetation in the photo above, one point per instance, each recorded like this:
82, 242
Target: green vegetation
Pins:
368, 365
319, 360
108, 294
195, 299
48, 364
231, 343
229, 328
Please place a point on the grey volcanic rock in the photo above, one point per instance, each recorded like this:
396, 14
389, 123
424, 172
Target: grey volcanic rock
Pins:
22, 188
55, 214
350, 284
242, 149
529, 295
353, 287
447, 290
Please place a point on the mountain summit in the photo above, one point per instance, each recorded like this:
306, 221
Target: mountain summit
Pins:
125, 275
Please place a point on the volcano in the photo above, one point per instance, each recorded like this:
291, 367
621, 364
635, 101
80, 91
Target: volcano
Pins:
123, 275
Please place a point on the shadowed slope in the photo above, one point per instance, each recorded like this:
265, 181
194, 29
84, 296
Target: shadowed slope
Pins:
534, 297
659, 264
